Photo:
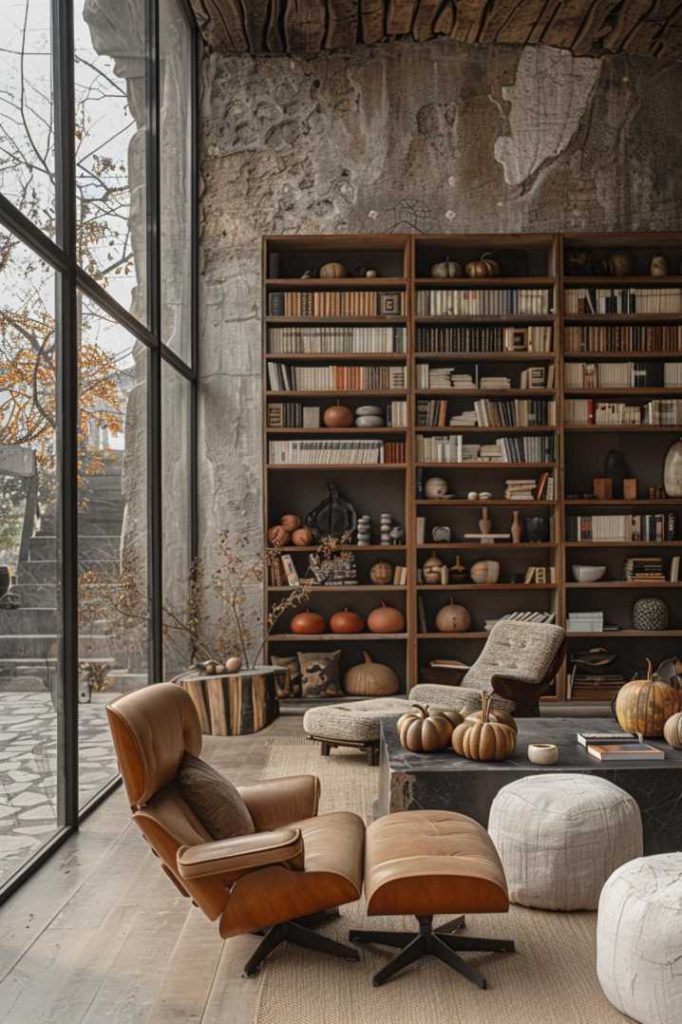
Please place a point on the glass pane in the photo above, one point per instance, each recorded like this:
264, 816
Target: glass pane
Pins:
30, 619
110, 148
176, 490
175, 72
26, 112
112, 533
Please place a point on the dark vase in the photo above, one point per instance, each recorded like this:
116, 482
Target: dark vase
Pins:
5, 579
537, 529
616, 471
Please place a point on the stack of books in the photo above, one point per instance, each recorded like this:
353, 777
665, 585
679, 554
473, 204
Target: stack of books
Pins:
607, 684
516, 412
467, 418
520, 490
476, 302
672, 375
644, 569
494, 383
606, 375
450, 448
585, 622
587, 410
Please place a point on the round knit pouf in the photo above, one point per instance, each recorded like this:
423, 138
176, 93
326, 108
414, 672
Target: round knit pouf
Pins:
639, 939
560, 836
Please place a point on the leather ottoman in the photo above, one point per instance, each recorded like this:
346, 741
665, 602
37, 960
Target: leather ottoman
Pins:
426, 863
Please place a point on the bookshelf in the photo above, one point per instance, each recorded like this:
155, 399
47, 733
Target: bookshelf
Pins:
522, 366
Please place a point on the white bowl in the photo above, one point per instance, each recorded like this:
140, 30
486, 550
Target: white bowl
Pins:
588, 573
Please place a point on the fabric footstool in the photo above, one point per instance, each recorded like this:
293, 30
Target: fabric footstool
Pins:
639, 939
560, 836
426, 863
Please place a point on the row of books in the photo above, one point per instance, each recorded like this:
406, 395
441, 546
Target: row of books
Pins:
624, 338
521, 617
336, 303
608, 375
483, 338
440, 378
515, 412
540, 574
644, 569
315, 340
482, 302
657, 412
296, 414
672, 375
335, 452
649, 526
530, 489
624, 300
283, 377
451, 448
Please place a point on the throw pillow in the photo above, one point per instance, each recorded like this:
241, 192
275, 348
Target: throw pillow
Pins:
213, 798
290, 684
320, 676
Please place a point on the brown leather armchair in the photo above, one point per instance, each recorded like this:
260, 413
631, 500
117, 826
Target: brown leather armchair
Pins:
294, 872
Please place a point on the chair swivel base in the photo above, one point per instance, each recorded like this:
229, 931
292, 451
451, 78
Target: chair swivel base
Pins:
427, 942
300, 933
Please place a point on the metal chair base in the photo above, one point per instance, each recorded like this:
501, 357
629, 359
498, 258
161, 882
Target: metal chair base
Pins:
300, 933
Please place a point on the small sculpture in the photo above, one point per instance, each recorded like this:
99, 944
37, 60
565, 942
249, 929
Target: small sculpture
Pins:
364, 529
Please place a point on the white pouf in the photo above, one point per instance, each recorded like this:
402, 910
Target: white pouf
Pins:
560, 836
639, 939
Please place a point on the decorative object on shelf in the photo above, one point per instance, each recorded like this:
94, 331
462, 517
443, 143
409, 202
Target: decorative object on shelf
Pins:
447, 269
658, 265
369, 416
441, 534
603, 488
580, 262
630, 488
290, 522
320, 676
516, 528
670, 671
588, 573
483, 738
650, 613
543, 753
309, 273
333, 517
672, 470
537, 529
302, 537
643, 706
389, 303
453, 618
364, 531
333, 570
672, 731
233, 663
485, 495
308, 623
332, 269
486, 266
288, 683
436, 487
423, 731
458, 571
431, 569
370, 679
397, 534
385, 619
485, 523
381, 573
385, 527
346, 621
616, 470
372, 272
472, 495
618, 264
336, 416
278, 536
486, 571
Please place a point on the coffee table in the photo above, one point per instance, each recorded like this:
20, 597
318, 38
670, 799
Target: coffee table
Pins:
445, 781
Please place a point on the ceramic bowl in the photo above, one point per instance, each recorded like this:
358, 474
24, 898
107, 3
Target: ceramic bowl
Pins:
543, 753
588, 573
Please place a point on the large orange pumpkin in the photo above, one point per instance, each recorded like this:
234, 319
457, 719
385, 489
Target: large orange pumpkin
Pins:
346, 621
308, 623
644, 705
385, 619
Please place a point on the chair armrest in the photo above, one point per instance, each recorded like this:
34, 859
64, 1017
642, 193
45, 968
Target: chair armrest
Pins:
278, 802
242, 854
525, 695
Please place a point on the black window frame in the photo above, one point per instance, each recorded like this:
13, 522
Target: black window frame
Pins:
61, 256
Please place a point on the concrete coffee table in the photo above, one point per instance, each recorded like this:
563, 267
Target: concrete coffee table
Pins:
446, 782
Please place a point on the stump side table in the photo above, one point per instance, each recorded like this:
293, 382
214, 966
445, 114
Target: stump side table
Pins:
236, 704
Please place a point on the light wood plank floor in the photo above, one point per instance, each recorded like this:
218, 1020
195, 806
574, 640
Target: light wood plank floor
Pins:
99, 936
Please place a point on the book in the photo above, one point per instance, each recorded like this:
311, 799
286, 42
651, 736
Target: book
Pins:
625, 752
585, 738
290, 570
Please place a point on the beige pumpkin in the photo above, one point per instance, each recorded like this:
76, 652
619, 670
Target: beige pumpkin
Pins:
332, 269
423, 731
494, 715
485, 571
370, 679
672, 731
448, 268
644, 705
453, 618
484, 738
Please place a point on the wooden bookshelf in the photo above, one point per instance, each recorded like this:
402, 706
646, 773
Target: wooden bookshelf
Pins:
540, 264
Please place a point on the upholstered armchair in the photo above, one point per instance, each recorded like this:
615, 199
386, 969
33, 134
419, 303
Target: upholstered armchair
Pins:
289, 870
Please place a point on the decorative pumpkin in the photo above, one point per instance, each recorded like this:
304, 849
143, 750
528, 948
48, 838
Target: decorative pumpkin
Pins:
381, 573
672, 731
290, 522
302, 537
370, 679
423, 731
485, 571
484, 738
448, 268
644, 705
386, 619
233, 664
308, 623
431, 569
332, 269
495, 715
346, 621
338, 416
619, 264
436, 487
486, 266
453, 618
278, 536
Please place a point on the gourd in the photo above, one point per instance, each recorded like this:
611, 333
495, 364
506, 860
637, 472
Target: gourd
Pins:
484, 738
233, 664
494, 715
290, 522
672, 731
370, 679
424, 732
431, 569
332, 270
338, 416
486, 266
448, 268
381, 573
385, 619
302, 537
308, 623
278, 536
346, 621
453, 618
644, 705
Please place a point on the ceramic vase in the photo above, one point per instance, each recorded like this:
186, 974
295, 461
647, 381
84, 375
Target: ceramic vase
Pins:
484, 523
516, 527
537, 529
672, 470
616, 470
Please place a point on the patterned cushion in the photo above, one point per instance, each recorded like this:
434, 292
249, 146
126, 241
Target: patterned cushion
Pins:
216, 802
320, 673
290, 685
518, 650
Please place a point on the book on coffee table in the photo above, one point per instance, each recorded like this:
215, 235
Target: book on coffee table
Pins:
625, 752
584, 738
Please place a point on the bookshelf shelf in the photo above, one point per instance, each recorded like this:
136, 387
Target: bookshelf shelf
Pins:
484, 282
619, 428
332, 283
478, 357
306, 638
424, 588
328, 395
642, 357
333, 321
627, 634
624, 585
479, 502
478, 634
466, 429
336, 357
499, 318
335, 467
624, 544
639, 281
485, 465
487, 547
492, 393
331, 432
622, 502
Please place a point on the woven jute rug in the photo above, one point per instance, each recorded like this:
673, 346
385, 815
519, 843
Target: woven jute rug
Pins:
551, 978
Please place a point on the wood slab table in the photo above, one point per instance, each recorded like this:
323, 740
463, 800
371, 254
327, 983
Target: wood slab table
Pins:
236, 704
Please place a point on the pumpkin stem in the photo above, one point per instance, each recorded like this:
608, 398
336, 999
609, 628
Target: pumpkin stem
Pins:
423, 710
649, 669
486, 701
368, 657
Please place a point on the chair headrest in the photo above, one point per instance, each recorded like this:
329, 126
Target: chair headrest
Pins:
152, 729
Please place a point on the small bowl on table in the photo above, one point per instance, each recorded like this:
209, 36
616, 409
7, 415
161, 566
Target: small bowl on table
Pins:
588, 573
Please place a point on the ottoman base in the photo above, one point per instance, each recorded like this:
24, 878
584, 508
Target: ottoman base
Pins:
370, 748
427, 942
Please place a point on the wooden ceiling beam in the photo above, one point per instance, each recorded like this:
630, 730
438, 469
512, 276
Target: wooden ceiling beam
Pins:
400, 16
564, 27
469, 19
650, 29
305, 24
342, 24
372, 21
423, 27
518, 27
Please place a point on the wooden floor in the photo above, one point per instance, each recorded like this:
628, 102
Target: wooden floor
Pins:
99, 935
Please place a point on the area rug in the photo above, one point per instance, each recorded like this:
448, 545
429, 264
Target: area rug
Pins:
549, 980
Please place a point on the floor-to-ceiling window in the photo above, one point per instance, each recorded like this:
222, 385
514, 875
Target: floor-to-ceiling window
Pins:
97, 390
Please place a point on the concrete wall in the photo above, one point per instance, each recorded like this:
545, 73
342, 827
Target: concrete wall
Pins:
436, 137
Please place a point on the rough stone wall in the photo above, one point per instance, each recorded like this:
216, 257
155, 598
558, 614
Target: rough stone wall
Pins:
432, 137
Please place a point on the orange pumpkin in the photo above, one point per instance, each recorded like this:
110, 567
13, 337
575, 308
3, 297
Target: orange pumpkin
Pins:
290, 522
386, 619
302, 537
346, 621
484, 739
278, 536
338, 416
308, 623
644, 705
